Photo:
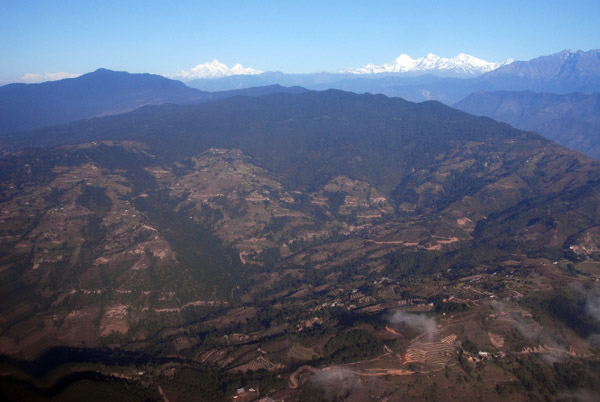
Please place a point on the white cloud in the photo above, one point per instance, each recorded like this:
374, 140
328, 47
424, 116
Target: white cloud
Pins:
214, 69
31, 78
419, 322
336, 383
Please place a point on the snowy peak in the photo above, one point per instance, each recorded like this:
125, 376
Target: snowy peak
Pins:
214, 69
460, 65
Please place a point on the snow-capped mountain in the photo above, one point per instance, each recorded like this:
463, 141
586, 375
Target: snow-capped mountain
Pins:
461, 65
214, 69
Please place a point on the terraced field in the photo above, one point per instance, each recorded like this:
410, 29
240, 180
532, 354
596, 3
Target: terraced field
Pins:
432, 353
301, 353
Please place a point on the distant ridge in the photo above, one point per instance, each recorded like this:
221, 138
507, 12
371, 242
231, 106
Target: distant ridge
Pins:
572, 120
562, 72
102, 92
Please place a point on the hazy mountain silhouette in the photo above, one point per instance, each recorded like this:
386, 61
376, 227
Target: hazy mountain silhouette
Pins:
572, 120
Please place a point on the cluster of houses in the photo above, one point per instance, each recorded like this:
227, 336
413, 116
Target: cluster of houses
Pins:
483, 356
250, 394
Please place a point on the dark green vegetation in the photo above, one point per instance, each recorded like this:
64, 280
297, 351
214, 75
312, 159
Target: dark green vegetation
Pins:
261, 242
353, 346
569, 306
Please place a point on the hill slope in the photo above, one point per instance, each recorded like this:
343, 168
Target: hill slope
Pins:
572, 120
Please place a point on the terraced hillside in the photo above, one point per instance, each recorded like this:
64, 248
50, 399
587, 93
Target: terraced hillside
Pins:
231, 244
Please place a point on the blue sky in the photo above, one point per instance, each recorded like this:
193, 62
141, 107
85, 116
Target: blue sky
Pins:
291, 36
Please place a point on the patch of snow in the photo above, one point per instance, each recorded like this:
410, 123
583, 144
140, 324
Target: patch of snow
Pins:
214, 69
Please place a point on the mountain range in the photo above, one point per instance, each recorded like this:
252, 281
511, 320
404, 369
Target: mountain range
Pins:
462, 65
280, 243
563, 72
102, 92
563, 118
